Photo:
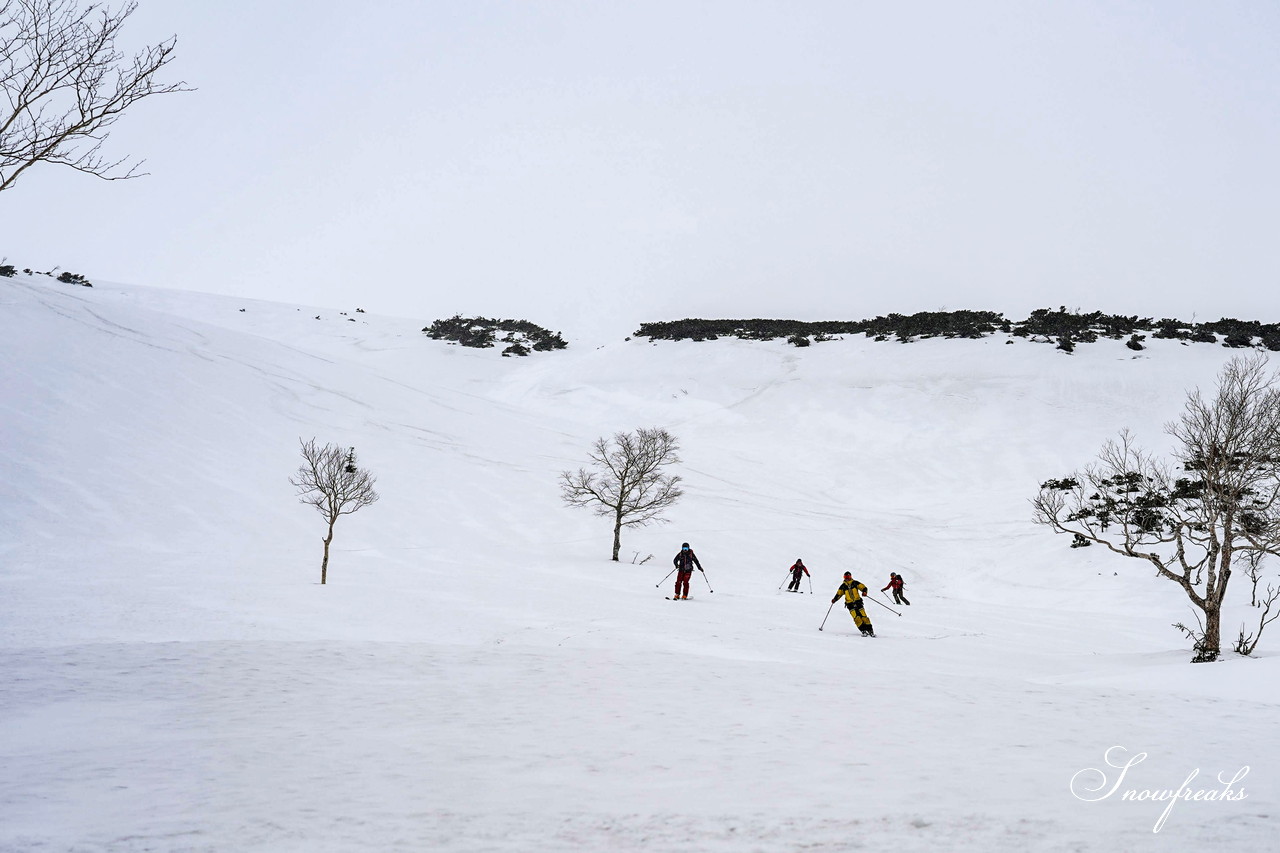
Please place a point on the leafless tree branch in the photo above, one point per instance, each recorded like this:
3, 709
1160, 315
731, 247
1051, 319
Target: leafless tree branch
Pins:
1247, 642
65, 84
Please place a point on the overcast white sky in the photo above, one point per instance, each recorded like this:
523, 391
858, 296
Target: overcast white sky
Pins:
582, 162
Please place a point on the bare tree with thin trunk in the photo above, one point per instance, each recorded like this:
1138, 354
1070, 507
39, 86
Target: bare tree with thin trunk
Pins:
65, 84
1193, 521
1247, 641
629, 483
330, 481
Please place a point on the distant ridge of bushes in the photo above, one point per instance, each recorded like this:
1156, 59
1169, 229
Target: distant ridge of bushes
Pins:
9, 271
520, 336
1063, 327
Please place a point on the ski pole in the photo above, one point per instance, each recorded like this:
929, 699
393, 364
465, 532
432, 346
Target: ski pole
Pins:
704, 577
811, 585
784, 580
659, 583
824, 618
885, 606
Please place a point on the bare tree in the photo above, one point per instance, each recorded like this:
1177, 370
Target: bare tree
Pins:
628, 484
65, 84
330, 481
1192, 522
1246, 642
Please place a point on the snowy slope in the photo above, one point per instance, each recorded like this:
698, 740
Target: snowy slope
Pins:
478, 676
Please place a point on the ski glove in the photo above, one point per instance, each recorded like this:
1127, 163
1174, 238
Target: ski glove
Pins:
833, 601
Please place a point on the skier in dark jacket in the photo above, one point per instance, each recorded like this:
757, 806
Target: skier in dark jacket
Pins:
896, 582
796, 571
686, 561
853, 591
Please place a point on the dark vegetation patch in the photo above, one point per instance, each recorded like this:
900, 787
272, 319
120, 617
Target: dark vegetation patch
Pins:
520, 336
8, 270
1063, 328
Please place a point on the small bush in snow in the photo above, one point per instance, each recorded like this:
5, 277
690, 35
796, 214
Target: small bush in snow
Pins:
481, 333
1238, 339
74, 278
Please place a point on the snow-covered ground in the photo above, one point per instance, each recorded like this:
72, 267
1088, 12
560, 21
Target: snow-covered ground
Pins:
477, 675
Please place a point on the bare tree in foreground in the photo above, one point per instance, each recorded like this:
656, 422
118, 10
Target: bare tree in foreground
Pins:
628, 484
1193, 522
329, 480
65, 84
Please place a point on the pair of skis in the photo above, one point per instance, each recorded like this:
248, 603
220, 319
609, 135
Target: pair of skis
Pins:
784, 580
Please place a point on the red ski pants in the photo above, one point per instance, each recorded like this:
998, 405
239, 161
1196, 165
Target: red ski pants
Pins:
682, 583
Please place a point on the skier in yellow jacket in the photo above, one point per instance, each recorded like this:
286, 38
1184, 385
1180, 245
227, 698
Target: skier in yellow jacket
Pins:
852, 591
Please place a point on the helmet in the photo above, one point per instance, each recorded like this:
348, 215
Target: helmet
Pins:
684, 545
848, 574
798, 560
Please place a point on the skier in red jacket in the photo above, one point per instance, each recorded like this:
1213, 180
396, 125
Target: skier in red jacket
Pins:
896, 582
796, 571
